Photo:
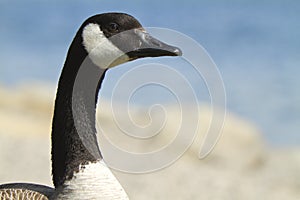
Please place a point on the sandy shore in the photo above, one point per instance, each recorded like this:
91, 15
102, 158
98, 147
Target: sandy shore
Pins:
241, 166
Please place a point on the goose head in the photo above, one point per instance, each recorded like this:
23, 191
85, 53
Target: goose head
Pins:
114, 38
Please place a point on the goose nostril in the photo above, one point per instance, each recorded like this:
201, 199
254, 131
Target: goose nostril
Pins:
157, 43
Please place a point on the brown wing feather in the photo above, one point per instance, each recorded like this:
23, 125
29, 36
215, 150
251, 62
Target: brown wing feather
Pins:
25, 191
21, 194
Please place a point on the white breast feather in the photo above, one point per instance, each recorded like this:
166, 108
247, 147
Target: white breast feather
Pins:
93, 181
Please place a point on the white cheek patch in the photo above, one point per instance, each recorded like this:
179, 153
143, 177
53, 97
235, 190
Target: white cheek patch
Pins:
101, 51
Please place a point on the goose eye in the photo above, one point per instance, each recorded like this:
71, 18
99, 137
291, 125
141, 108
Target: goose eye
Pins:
113, 27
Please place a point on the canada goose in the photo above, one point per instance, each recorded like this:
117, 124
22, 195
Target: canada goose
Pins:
103, 41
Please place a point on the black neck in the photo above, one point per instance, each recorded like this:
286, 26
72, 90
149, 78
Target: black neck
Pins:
74, 139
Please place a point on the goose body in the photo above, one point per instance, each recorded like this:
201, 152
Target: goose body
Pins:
79, 172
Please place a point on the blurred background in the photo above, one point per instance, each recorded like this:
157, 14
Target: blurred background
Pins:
255, 45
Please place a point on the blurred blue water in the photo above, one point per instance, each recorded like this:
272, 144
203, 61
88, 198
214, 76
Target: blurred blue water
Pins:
255, 44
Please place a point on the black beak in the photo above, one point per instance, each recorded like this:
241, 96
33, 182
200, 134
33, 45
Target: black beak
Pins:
140, 44
152, 47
